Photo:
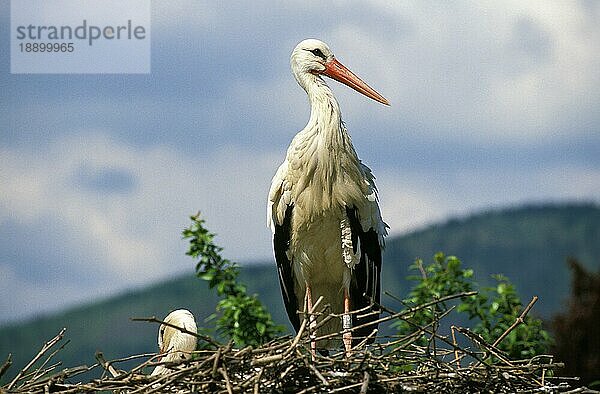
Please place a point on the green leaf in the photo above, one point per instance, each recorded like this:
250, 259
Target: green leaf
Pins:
492, 310
206, 276
242, 317
453, 263
501, 289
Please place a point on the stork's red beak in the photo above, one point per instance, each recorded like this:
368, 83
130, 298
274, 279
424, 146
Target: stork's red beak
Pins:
339, 72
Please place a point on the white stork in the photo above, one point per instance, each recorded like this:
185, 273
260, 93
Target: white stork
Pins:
323, 207
174, 344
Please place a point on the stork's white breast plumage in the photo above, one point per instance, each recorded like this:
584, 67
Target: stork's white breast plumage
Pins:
323, 204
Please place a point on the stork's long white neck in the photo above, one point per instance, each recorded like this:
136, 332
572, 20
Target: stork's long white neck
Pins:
325, 122
325, 115
323, 150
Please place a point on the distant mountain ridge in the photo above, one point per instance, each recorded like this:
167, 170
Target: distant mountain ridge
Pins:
529, 244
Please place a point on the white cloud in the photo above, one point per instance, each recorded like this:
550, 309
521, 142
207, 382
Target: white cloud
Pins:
407, 202
135, 235
518, 70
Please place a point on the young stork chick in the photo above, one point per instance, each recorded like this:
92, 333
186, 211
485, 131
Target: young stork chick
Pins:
323, 208
173, 344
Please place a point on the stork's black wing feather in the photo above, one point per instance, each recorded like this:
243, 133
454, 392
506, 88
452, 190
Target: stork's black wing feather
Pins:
365, 284
281, 244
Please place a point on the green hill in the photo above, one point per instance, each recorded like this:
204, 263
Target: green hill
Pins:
528, 244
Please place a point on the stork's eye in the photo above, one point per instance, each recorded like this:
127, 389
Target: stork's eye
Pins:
317, 52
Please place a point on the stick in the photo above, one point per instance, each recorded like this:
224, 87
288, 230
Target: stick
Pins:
518, 321
153, 319
257, 383
365, 383
227, 381
106, 365
44, 349
452, 329
6, 365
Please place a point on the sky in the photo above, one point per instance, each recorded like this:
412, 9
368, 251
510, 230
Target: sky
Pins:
493, 104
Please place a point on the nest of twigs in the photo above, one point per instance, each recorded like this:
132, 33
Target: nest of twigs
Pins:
390, 364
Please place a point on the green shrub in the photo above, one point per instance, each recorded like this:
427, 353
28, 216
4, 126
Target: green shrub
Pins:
243, 318
493, 309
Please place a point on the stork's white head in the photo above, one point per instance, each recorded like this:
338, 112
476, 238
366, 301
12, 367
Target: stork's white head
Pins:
310, 56
313, 57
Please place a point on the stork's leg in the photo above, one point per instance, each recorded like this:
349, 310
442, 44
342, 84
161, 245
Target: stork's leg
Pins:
347, 323
312, 323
